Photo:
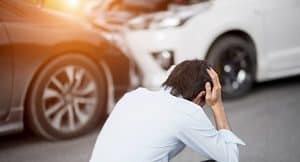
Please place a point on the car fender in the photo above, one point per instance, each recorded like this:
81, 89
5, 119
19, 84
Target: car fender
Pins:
110, 86
211, 25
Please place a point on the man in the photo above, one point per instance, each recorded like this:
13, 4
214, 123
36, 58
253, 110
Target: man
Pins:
154, 126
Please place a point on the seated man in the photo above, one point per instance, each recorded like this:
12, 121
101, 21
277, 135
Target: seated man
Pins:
154, 126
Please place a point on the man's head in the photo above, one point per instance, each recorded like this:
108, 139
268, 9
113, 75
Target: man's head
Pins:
188, 79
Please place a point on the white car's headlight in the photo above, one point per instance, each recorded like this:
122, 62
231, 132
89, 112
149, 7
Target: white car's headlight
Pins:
176, 17
168, 23
141, 23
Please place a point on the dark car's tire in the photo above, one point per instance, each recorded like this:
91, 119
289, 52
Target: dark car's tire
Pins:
67, 98
234, 58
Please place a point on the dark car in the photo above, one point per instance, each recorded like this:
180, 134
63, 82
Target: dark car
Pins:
58, 75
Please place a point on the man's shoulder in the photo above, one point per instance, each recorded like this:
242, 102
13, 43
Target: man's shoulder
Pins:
186, 106
165, 98
178, 104
135, 93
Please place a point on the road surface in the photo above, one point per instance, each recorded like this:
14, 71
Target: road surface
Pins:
268, 120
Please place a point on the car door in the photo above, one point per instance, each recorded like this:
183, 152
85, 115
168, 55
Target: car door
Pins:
6, 72
282, 35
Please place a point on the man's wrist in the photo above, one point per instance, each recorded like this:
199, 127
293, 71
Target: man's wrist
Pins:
220, 116
217, 106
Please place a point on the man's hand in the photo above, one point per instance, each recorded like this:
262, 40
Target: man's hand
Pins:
214, 100
213, 96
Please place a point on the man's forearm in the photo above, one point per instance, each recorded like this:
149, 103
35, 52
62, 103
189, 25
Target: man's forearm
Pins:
220, 116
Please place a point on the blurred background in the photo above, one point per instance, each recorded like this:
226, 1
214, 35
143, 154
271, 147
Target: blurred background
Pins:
65, 63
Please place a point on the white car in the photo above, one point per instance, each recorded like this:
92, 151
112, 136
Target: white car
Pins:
245, 40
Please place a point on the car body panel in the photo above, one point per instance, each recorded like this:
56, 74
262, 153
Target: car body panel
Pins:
6, 71
281, 41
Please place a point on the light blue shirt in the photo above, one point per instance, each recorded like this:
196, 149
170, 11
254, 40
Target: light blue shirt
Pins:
154, 126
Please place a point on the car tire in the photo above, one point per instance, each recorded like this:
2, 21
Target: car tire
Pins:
67, 98
234, 59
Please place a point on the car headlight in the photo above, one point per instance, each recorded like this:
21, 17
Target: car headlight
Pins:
176, 17
168, 23
165, 58
141, 23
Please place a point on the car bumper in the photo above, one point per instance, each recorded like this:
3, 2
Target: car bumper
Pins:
142, 44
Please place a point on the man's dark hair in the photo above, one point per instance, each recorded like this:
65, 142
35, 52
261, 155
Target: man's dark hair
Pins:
188, 79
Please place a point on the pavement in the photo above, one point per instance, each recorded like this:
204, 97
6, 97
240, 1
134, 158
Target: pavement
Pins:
267, 120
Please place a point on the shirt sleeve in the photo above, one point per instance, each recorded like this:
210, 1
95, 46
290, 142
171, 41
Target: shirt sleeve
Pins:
199, 134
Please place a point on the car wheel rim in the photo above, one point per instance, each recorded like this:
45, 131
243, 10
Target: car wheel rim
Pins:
69, 98
235, 69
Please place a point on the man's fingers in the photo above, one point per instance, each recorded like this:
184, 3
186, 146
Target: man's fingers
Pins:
210, 73
199, 99
213, 95
216, 74
202, 93
208, 90
214, 77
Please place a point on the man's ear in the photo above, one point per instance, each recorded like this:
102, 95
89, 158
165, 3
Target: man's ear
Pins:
200, 99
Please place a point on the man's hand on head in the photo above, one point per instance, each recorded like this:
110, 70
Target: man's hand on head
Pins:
213, 95
213, 99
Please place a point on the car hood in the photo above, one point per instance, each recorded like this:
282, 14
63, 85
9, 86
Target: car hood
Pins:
180, 11
56, 18
38, 15
174, 11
